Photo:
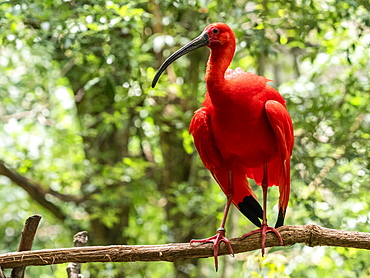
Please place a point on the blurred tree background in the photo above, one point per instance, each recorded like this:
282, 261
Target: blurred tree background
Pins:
90, 146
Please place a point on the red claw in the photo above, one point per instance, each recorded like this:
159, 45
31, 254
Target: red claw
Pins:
216, 240
264, 230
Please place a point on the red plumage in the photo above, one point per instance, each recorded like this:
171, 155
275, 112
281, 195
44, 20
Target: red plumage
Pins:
253, 128
242, 131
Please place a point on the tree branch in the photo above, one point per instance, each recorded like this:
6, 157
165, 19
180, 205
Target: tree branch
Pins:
311, 235
74, 269
25, 244
37, 192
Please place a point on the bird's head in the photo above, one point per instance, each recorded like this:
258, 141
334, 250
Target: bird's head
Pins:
213, 36
219, 34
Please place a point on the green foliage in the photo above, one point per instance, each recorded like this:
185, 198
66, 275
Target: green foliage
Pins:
79, 116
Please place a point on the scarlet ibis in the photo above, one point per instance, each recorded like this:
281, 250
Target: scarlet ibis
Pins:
243, 130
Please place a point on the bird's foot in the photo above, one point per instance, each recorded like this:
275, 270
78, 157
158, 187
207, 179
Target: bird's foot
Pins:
216, 240
264, 230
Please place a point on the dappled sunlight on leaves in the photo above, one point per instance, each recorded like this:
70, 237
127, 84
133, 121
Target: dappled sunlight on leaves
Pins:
79, 116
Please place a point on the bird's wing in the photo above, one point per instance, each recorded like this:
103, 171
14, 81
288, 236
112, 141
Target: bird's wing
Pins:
243, 196
200, 128
281, 123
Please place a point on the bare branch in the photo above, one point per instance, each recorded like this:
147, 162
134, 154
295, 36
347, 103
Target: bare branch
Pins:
74, 269
37, 192
311, 235
28, 232
25, 244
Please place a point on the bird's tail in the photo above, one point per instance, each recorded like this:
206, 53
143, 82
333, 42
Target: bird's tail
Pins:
243, 196
284, 189
279, 175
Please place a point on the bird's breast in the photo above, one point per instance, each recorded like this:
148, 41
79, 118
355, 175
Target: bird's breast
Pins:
244, 134
239, 120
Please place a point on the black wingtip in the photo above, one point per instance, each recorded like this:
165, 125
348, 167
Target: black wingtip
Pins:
280, 219
251, 209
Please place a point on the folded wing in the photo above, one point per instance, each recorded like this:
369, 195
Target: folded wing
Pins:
281, 123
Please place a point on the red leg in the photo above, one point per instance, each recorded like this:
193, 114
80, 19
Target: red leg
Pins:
264, 227
220, 233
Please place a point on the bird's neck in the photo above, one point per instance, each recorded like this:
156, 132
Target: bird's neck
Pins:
218, 62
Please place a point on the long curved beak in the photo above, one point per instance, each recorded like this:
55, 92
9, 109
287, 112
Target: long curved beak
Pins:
198, 42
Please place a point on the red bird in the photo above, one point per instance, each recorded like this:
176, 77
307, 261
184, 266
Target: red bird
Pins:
243, 130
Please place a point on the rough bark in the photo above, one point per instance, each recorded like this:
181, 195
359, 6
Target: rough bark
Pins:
311, 235
25, 244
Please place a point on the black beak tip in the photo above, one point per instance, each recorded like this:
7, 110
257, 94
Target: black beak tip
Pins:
154, 82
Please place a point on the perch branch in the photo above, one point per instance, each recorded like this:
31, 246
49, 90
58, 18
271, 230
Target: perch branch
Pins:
311, 235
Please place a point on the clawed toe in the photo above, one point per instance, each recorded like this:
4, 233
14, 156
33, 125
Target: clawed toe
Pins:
264, 230
216, 240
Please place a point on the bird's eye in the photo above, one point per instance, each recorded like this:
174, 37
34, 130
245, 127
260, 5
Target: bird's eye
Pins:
215, 31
